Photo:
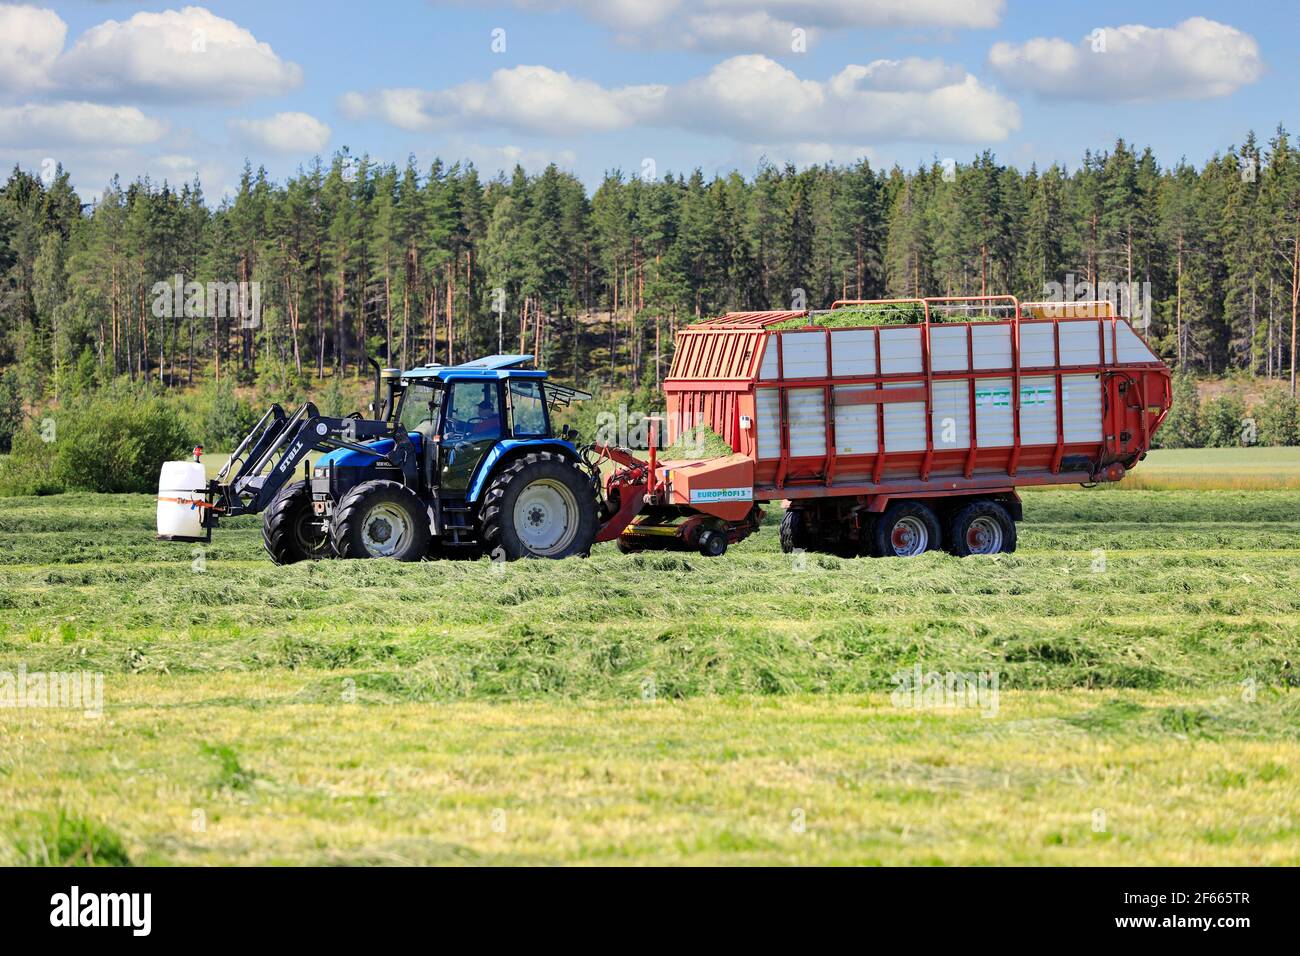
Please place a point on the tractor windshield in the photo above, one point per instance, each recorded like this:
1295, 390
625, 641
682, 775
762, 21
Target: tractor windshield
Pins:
420, 408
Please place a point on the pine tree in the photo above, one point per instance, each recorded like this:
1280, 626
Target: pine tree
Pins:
907, 260
857, 229
1283, 214
1042, 250
1181, 231
357, 259
1245, 255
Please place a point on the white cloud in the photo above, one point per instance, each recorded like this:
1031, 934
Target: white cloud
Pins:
532, 99
185, 54
508, 156
759, 26
189, 55
58, 124
749, 98
177, 168
1197, 59
910, 75
30, 41
299, 133
757, 99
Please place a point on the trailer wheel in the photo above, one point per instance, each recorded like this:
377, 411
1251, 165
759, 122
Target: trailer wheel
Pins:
793, 534
982, 527
290, 532
539, 506
381, 519
906, 529
712, 544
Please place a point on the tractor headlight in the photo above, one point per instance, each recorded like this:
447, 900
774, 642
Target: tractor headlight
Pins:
321, 473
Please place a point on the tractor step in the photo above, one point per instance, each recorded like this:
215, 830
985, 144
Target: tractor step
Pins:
456, 527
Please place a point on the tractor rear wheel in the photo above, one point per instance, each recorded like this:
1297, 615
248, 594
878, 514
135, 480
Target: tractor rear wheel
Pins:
290, 532
906, 529
982, 527
381, 519
539, 506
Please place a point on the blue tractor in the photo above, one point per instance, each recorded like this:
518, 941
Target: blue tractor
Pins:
454, 461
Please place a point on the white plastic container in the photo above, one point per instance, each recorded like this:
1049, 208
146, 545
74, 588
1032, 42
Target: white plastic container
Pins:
180, 497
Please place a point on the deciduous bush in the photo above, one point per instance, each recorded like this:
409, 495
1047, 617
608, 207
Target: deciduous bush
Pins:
220, 418
1183, 428
1222, 419
1275, 417
114, 442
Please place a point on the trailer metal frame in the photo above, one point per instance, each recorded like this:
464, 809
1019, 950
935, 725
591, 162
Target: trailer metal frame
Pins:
732, 345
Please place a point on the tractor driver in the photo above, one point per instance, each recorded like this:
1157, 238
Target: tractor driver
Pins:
488, 423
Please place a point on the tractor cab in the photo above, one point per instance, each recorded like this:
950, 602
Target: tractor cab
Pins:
461, 416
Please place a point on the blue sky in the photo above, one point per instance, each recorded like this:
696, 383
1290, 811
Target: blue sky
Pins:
131, 88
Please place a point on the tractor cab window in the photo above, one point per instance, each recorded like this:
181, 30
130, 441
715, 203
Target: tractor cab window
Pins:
474, 413
420, 408
527, 409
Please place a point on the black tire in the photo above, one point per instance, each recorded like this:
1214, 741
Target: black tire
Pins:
712, 544
906, 529
793, 535
371, 514
290, 532
982, 527
556, 497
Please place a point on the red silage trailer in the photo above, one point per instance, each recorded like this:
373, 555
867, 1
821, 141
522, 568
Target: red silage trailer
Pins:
896, 438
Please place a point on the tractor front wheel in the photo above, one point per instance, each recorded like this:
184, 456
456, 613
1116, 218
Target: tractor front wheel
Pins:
381, 519
539, 506
290, 532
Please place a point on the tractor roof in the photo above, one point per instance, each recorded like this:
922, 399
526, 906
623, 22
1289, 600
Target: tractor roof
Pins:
488, 367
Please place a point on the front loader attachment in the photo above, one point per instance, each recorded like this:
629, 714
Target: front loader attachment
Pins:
257, 443
264, 462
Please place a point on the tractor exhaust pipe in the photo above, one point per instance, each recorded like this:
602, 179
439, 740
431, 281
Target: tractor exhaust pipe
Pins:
375, 411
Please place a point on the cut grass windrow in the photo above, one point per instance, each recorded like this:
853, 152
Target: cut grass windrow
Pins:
661, 707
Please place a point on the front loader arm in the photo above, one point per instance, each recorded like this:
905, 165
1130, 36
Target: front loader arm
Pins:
279, 445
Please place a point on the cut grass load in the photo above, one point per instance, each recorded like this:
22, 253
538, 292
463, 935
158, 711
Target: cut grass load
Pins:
905, 313
699, 442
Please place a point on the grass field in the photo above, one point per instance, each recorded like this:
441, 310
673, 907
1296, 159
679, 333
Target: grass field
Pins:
662, 708
1204, 469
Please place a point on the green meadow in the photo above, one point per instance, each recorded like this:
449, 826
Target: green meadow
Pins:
1142, 644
